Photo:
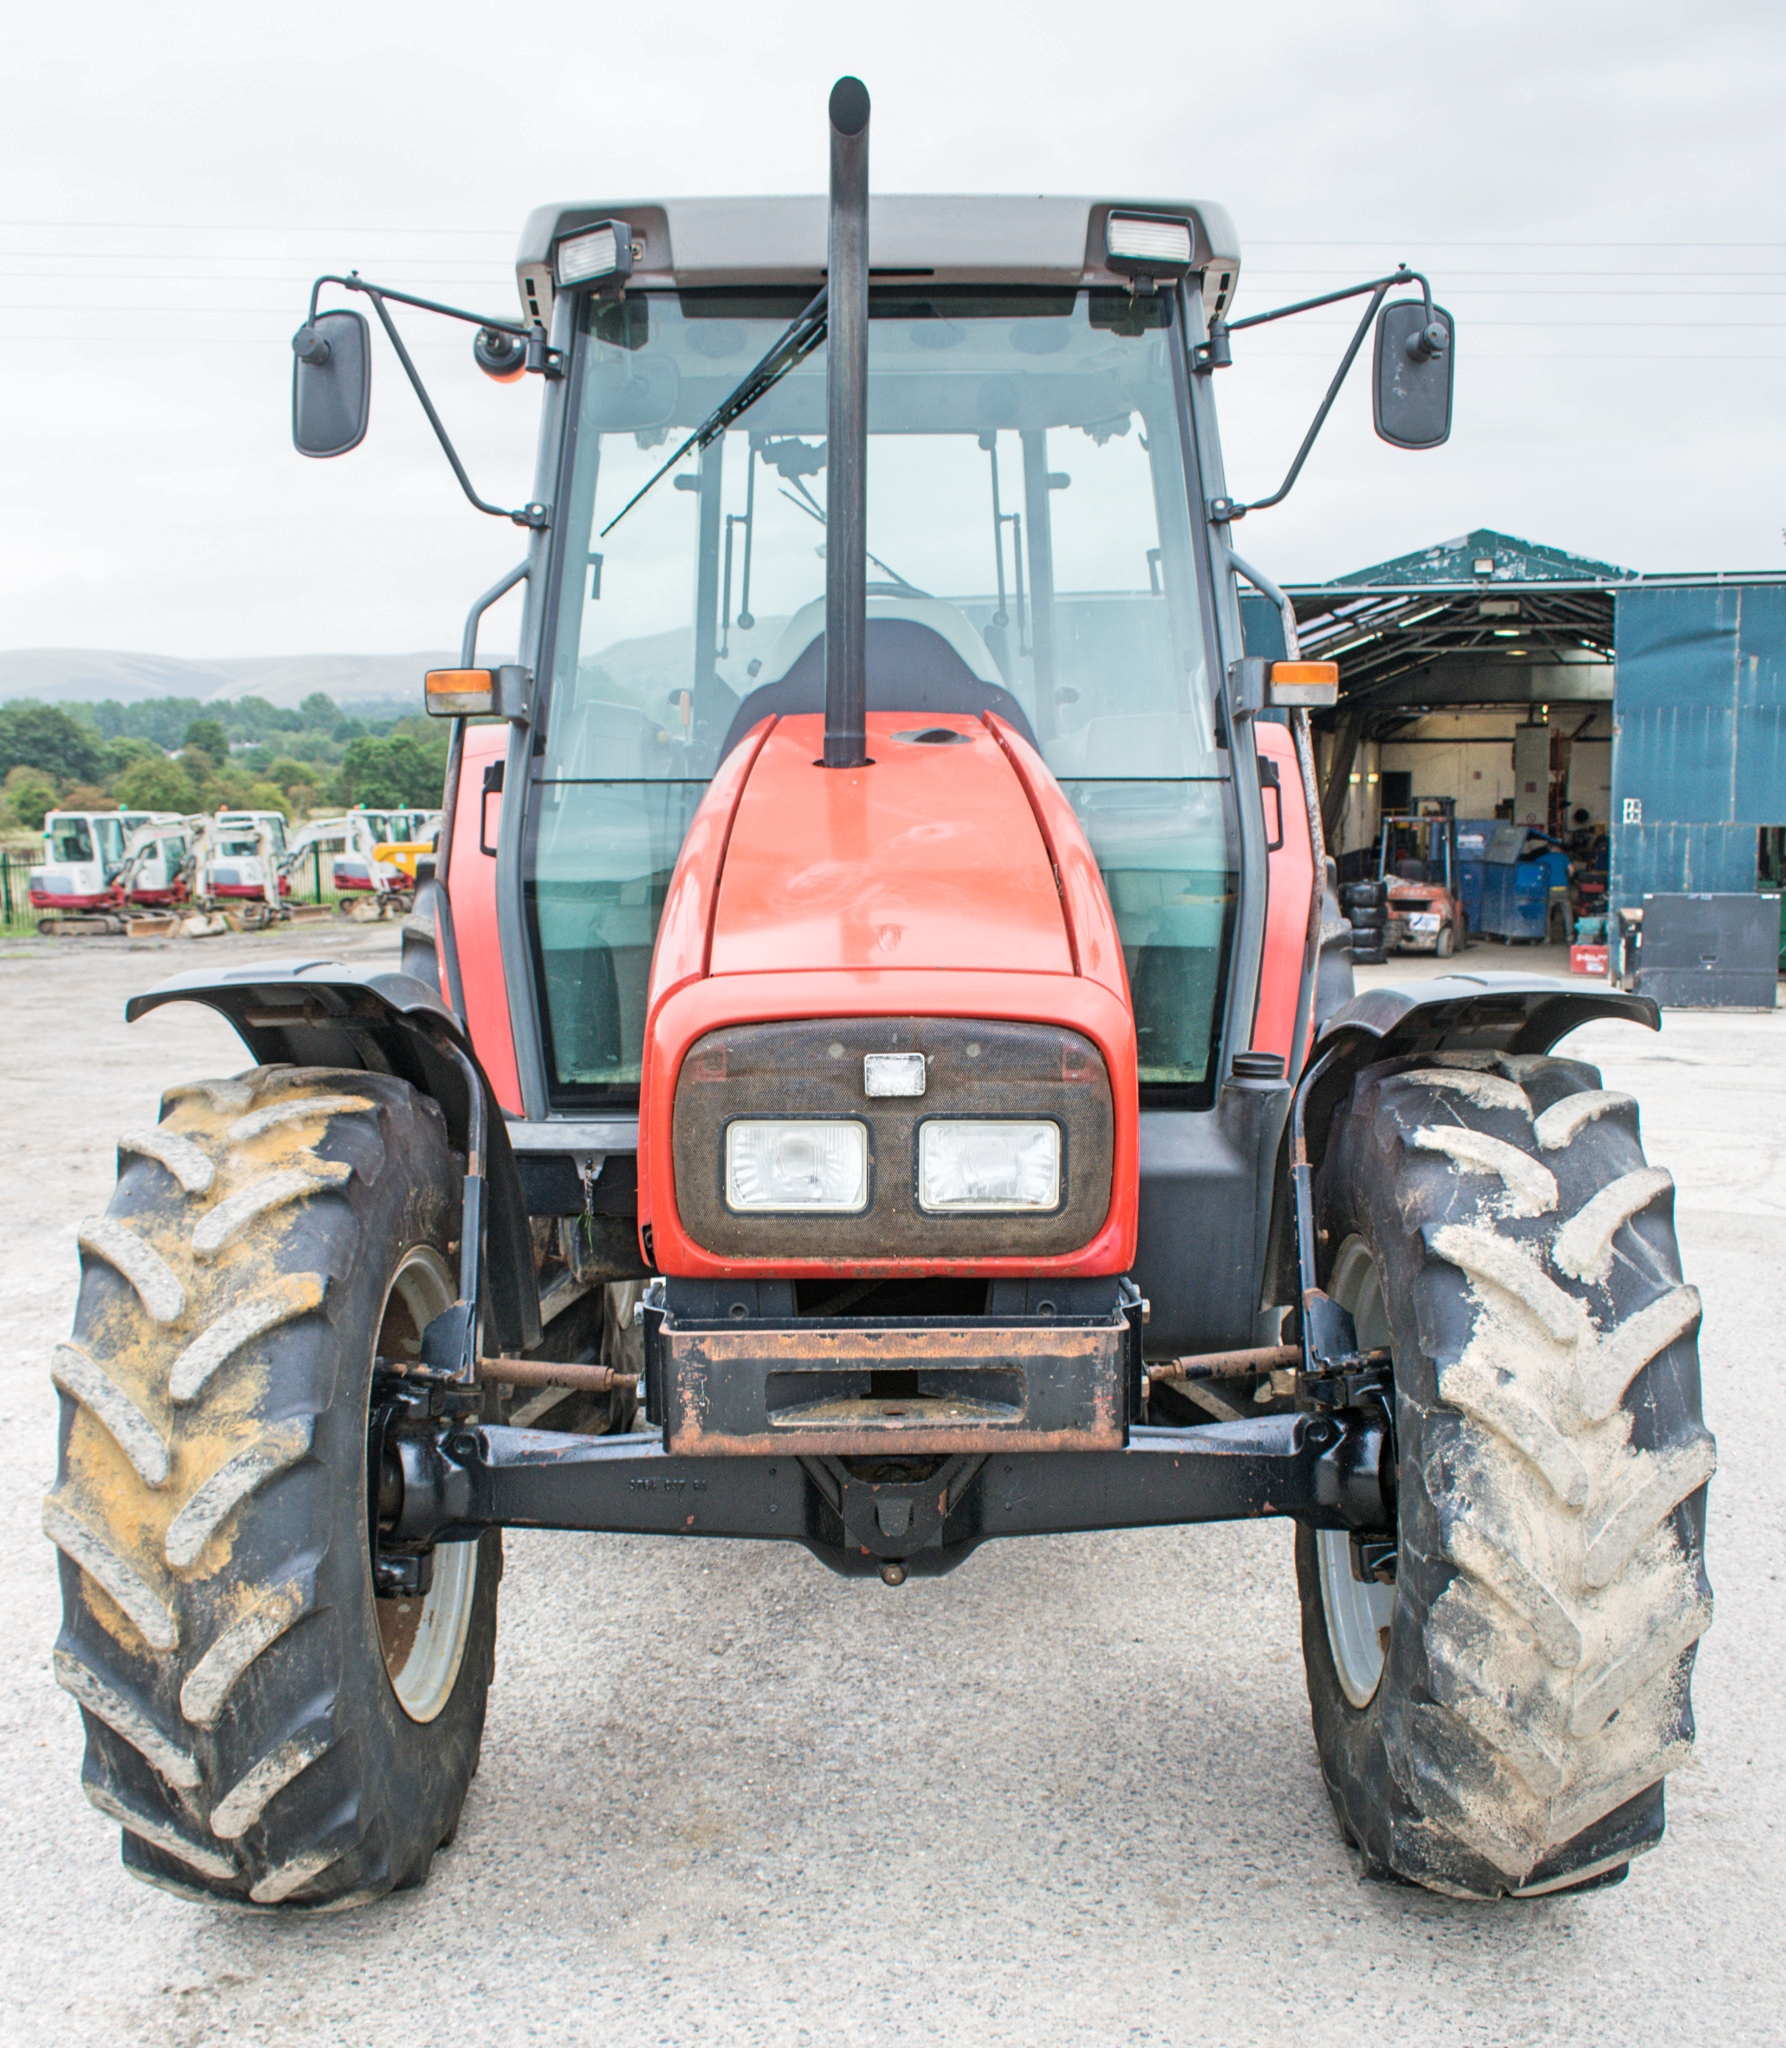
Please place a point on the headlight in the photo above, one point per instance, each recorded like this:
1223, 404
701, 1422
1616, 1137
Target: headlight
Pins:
803, 1163
972, 1164
1143, 238
605, 251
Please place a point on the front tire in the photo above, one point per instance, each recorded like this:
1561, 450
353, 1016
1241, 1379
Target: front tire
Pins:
1493, 1221
263, 1728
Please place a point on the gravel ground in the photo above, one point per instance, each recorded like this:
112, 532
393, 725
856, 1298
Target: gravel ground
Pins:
1068, 1792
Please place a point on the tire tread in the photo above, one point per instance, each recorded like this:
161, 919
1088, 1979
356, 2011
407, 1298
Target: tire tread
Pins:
1552, 1540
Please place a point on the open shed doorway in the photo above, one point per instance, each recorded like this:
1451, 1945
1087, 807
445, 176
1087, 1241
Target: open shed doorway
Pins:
1476, 680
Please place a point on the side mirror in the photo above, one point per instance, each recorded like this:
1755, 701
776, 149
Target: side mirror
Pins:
461, 692
504, 692
331, 384
1413, 374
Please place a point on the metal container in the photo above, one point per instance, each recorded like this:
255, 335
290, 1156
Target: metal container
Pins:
1710, 952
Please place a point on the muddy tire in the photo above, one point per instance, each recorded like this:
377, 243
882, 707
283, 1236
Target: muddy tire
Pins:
1500, 1718
261, 1727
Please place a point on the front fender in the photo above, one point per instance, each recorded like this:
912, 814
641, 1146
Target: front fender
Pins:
1507, 1013
319, 1013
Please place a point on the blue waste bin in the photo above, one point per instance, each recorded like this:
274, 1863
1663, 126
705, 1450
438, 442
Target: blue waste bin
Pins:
1520, 870
1473, 835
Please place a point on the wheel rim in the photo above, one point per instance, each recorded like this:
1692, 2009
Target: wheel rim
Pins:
1358, 1613
423, 1640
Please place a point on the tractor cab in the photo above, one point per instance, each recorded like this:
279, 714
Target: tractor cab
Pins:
1030, 566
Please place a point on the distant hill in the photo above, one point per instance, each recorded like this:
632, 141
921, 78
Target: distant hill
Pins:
79, 675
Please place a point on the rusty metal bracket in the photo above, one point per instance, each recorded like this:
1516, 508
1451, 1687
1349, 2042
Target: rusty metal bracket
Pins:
903, 1387
545, 1372
1217, 1365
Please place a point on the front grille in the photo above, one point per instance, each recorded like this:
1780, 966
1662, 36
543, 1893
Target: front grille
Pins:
814, 1068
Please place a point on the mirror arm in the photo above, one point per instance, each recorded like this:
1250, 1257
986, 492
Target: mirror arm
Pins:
1223, 510
529, 515
354, 282
1400, 275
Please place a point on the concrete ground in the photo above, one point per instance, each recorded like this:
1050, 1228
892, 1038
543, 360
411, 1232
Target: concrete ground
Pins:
1067, 1794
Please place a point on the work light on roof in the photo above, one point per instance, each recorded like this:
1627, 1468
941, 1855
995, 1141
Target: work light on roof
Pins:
603, 253
1137, 242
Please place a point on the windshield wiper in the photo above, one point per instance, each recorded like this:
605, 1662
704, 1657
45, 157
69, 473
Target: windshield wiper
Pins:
799, 341
807, 503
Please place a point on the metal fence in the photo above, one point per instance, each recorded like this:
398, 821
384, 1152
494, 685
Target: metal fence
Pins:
15, 899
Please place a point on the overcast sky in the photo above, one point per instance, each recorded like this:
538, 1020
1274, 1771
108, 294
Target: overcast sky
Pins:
1596, 190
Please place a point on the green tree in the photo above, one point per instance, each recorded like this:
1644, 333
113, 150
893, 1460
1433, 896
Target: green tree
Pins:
318, 712
155, 783
206, 736
287, 772
29, 793
124, 753
387, 773
43, 737
268, 796
228, 789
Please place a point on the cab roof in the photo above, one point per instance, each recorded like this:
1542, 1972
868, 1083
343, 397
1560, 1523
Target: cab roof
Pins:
953, 238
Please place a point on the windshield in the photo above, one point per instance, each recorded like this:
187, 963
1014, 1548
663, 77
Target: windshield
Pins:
1026, 514
239, 832
1029, 552
70, 840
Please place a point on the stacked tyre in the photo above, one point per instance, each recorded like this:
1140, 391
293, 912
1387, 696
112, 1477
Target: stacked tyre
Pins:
1366, 905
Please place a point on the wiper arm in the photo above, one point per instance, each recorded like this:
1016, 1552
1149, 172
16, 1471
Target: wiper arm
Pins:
808, 504
795, 345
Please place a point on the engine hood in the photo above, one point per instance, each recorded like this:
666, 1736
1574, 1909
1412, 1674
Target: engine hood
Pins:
950, 879
931, 858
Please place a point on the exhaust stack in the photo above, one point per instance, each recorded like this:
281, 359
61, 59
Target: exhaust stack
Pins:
846, 445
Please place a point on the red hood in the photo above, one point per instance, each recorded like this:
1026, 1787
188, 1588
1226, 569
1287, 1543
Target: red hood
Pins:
896, 866
947, 879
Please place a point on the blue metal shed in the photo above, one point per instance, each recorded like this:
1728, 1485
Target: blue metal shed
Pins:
1697, 679
1699, 749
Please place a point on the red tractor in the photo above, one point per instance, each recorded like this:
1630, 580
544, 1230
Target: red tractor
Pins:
873, 1066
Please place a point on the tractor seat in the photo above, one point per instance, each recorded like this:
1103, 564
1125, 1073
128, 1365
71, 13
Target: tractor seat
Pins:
912, 667
1411, 871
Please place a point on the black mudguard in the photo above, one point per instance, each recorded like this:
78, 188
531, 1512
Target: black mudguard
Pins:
1510, 1013
319, 1013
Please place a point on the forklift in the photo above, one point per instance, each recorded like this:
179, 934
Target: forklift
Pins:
1417, 865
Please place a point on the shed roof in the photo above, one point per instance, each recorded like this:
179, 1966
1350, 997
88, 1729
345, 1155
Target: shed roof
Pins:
1467, 620
1480, 559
